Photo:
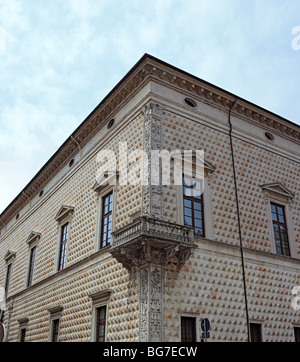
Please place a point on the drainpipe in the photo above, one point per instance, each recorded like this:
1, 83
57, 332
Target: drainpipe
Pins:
78, 145
239, 221
27, 198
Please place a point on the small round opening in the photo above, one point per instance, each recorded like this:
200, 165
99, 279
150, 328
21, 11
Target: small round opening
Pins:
190, 102
41, 193
71, 163
110, 123
269, 136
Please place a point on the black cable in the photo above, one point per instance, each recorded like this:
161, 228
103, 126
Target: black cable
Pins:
239, 221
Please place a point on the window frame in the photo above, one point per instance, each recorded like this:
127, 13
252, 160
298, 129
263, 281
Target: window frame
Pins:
22, 338
196, 317
63, 217
63, 246
297, 333
8, 278
105, 217
53, 329
289, 224
99, 300
194, 331
193, 200
55, 314
102, 193
22, 327
9, 260
97, 323
256, 324
32, 242
279, 225
31, 265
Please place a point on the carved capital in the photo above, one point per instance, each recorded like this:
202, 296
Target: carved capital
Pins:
153, 109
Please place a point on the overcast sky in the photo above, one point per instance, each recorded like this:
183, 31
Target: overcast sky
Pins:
59, 58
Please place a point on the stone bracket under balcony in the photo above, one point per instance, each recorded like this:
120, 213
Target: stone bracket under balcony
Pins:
148, 240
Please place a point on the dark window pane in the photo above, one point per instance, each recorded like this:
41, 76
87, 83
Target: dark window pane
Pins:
188, 212
101, 324
7, 282
106, 223
188, 221
31, 266
255, 331
274, 217
280, 210
63, 247
55, 330
193, 205
280, 230
188, 329
187, 203
197, 206
198, 231
297, 334
22, 335
197, 214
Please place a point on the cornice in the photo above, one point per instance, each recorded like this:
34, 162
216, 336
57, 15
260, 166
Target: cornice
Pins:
90, 126
215, 95
148, 68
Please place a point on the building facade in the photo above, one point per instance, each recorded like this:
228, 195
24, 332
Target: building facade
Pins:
105, 254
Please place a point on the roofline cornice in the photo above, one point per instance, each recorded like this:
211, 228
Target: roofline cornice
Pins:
146, 69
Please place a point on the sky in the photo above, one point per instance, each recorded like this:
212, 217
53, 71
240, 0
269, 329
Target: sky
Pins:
60, 58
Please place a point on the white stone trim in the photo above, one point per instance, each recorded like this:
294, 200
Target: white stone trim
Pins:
100, 299
289, 224
105, 191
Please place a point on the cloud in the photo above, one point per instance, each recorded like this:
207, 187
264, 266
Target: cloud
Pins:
58, 59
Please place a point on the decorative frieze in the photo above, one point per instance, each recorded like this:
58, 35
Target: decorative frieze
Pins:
152, 193
151, 304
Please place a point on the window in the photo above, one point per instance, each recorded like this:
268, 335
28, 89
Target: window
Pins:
22, 334
8, 276
101, 324
106, 220
100, 312
255, 332
22, 329
55, 315
63, 247
188, 329
31, 266
193, 204
297, 334
55, 330
280, 229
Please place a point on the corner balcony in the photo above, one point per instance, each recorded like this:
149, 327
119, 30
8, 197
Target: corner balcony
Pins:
154, 241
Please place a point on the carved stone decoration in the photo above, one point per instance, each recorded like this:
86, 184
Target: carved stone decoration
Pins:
143, 305
151, 304
152, 194
148, 240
